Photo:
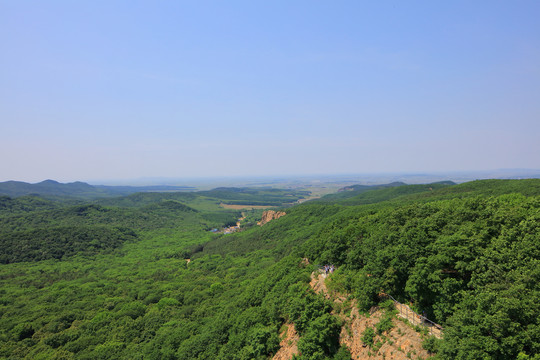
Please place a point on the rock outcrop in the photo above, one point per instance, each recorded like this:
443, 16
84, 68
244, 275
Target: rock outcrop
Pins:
288, 345
270, 215
401, 342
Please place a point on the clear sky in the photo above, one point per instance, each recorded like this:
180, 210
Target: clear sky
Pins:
129, 89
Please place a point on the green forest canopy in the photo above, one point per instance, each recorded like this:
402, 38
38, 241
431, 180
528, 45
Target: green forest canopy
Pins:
108, 279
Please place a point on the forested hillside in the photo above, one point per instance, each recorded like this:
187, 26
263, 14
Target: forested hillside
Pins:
142, 277
77, 190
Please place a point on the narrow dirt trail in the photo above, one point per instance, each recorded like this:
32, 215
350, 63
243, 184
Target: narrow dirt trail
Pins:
318, 285
407, 313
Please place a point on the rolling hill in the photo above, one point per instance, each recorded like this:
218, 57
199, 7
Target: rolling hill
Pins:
142, 277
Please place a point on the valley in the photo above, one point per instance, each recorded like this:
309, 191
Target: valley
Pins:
142, 276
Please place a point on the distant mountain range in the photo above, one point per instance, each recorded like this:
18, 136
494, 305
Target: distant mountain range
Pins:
79, 190
348, 184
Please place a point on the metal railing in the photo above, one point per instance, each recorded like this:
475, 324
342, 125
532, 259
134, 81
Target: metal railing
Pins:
416, 319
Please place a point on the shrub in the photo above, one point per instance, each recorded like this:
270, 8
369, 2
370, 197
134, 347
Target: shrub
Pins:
368, 336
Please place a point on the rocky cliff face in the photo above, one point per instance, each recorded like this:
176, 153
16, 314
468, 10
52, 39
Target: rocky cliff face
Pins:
399, 342
270, 215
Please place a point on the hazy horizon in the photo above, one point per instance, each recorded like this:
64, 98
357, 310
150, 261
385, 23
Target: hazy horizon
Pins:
306, 179
132, 90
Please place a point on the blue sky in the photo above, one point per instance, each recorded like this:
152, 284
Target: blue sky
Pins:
130, 89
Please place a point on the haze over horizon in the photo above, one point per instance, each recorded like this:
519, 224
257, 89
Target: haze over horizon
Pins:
127, 90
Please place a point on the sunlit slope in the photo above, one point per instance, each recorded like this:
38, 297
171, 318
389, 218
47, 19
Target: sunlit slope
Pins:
467, 258
435, 191
470, 249
211, 199
33, 229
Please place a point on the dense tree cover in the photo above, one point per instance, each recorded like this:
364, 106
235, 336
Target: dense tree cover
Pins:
9, 206
278, 237
392, 193
352, 191
39, 229
147, 198
211, 199
472, 265
76, 190
135, 196
57, 242
50, 188
361, 195
469, 259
